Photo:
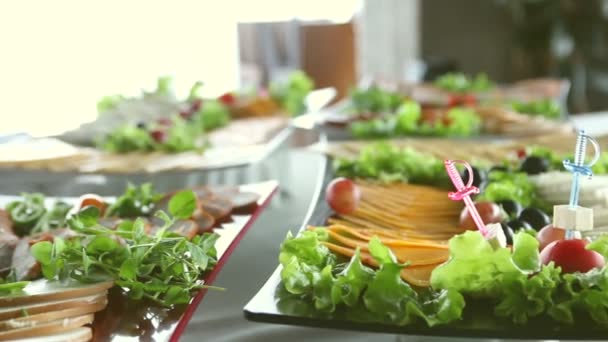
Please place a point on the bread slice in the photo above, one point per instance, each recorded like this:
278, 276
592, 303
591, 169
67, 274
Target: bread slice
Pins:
45, 317
44, 290
47, 328
55, 305
82, 334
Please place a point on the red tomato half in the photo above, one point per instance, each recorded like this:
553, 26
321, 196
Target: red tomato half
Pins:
571, 256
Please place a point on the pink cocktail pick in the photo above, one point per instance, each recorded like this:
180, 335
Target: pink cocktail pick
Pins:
464, 191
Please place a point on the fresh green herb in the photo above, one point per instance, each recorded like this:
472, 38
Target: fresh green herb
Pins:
458, 122
181, 136
374, 100
53, 219
127, 138
291, 95
136, 201
165, 267
26, 213
547, 107
388, 163
213, 114
10, 286
460, 83
311, 271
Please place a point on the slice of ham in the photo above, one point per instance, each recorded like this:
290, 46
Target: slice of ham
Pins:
8, 242
217, 207
6, 224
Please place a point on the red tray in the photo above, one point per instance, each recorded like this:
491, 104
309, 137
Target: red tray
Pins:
128, 320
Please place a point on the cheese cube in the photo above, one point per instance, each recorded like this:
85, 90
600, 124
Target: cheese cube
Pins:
496, 236
575, 218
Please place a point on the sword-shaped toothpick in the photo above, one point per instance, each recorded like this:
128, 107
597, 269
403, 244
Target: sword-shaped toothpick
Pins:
578, 167
464, 192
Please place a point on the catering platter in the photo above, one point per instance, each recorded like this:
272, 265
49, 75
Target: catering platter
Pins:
453, 106
394, 261
159, 132
109, 299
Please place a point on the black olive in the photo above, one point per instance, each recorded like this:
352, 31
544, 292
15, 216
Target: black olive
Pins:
479, 176
517, 225
512, 208
534, 165
535, 218
141, 125
508, 232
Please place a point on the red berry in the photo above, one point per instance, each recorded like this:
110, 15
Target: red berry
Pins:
227, 99
158, 135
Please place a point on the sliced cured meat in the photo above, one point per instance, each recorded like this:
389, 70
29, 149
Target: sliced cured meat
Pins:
187, 228
204, 222
8, 242
242, 199
6, 224
25, 265
218, 207
203, 192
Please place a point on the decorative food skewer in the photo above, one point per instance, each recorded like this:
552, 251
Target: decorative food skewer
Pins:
573, 217
492, 232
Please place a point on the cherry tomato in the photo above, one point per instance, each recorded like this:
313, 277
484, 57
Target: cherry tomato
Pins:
571, 256
92, 200
342, 195
490, 212
227, 99
548, 234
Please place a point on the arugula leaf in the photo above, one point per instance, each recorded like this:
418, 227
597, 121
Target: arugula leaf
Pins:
165, 268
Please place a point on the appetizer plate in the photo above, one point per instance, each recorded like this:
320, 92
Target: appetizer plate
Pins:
272, 304
128, 320
50, 154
